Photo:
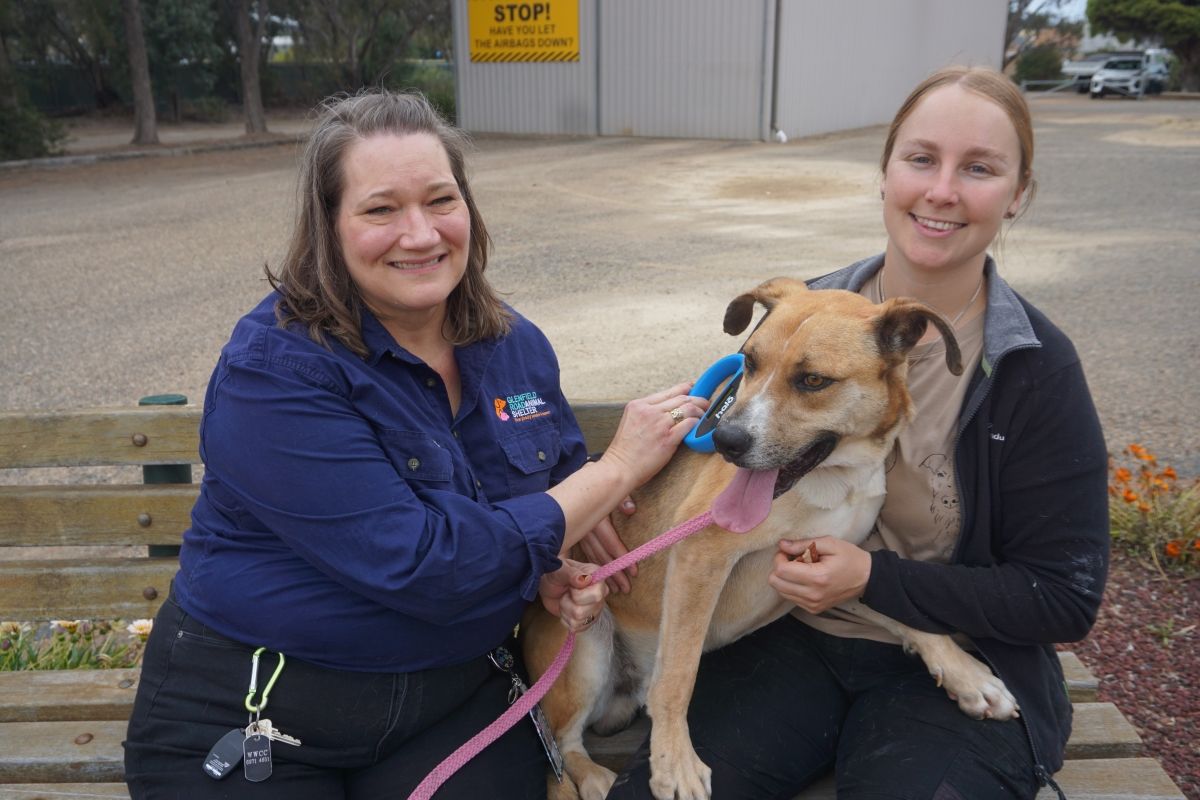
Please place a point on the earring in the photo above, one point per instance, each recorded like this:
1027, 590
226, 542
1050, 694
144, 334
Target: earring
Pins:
1009, 215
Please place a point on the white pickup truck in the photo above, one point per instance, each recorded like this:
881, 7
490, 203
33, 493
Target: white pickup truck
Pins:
1154, 64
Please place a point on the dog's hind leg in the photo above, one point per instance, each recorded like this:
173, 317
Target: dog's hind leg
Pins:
585, 687
967, 680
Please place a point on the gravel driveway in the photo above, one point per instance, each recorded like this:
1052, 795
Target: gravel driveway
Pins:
123, 278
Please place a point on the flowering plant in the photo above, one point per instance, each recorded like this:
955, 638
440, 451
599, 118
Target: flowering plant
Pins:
70, 644
1154, 514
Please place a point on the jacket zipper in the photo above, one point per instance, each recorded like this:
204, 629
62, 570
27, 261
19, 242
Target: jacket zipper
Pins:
1040, 772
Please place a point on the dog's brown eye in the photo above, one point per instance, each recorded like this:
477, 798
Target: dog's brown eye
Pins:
811, 382
748, 364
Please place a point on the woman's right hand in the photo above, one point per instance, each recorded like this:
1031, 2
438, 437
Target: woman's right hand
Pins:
648, 434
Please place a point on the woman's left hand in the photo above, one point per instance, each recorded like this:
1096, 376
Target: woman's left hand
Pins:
569, 594
838, 574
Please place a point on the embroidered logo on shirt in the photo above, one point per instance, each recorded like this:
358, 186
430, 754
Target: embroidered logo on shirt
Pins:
521, 407
999, 437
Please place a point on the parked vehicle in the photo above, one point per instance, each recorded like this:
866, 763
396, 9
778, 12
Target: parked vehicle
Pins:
1131, 76
1154, 61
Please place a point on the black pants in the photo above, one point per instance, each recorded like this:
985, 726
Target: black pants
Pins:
781, 707
364, 735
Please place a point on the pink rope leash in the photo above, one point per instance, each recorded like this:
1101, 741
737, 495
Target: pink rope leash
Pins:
442, 772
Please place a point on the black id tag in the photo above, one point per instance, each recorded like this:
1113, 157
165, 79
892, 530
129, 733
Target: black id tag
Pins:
257, 750
224, 755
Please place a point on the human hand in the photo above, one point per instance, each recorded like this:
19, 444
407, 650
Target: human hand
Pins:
839, 572
569, 594
648, 434
603, 545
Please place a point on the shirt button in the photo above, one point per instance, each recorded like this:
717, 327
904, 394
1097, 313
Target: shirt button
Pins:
430, 382
456, 434
541, 455
414, 464
478, 485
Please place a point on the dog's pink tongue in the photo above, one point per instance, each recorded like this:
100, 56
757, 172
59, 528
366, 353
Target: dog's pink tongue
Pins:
746, 501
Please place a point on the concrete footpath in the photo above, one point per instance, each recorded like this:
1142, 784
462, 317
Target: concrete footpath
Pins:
123, 277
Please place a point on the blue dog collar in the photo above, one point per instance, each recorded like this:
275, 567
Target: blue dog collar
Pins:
700, 437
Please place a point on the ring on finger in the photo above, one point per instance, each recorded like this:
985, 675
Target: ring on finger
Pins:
677, 414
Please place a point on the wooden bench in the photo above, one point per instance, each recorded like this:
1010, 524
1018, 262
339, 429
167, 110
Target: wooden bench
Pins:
112, 548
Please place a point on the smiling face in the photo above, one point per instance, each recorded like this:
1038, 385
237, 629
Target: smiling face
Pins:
952, 176
403, 227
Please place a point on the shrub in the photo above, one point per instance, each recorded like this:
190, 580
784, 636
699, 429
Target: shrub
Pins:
1153, 514
206, 109
24, 133
1041, 63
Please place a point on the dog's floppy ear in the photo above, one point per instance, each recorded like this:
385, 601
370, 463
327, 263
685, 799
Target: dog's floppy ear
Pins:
741, 309
902, 324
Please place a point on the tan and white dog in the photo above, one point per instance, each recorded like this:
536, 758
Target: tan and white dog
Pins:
821, 402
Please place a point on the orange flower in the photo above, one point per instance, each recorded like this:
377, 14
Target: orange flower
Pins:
1136, 450
1196, 544
1130, 496
1122, 475
1144, 508
1169, 473
1174, 548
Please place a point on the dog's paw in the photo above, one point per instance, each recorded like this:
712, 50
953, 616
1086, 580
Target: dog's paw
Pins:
979, 693
679, 775
596, 784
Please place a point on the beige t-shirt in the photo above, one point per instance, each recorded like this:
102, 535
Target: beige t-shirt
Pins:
920, 516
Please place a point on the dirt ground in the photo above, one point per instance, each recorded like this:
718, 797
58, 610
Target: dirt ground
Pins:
123, 278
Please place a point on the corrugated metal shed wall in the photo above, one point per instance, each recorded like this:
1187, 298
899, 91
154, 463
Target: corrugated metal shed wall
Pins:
556, 98
703, 68
851, 63
691, 68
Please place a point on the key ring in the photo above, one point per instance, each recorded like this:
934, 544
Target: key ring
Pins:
256, 709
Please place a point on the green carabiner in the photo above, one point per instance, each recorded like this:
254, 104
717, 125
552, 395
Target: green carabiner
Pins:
255, 709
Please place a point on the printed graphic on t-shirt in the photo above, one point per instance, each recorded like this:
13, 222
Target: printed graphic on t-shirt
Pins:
943, 504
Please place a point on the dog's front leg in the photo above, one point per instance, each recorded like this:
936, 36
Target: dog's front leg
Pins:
967, 680
693, 586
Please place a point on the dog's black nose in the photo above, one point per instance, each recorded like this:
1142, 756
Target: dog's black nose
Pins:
732, 441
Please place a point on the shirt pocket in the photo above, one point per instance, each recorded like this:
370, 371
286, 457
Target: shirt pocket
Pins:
531, 454
417, 457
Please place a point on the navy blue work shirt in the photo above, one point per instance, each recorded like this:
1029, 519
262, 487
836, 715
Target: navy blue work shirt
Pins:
348, 519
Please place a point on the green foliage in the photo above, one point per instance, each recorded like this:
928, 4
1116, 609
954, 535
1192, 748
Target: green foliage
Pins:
1041, 63
206, 109
1155, 515
78, 644
1175, 23
24, 133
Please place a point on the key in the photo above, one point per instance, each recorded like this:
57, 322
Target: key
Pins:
267, 729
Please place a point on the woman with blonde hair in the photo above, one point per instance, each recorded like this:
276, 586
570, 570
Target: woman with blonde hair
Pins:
994, 529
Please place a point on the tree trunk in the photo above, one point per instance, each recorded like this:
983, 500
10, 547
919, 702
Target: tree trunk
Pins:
145, 124
249, 46
8, 81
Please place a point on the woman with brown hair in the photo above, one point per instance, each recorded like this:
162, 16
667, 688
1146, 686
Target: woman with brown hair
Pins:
391, 474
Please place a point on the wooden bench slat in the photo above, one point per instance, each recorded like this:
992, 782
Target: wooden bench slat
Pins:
35, 516
1089, 779
1082, 685
598, 421
62, 752
1100, 731
64, 791
127, 588
67, 694
99, 437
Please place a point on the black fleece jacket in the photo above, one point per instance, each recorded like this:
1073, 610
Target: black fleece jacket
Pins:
1032, 554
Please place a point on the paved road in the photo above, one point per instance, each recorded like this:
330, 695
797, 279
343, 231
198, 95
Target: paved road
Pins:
121, 279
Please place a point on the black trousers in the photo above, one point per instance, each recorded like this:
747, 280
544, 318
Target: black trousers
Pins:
364, 735
778, 709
